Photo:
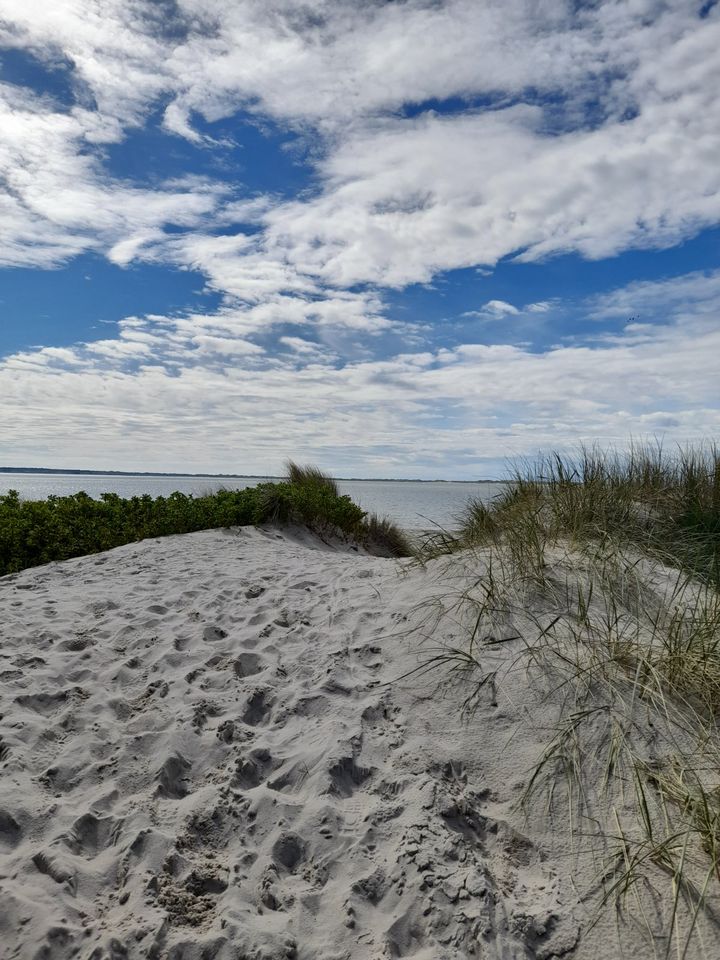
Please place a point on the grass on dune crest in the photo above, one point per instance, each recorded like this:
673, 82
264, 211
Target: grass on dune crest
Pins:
310, 476
665, 504
34, 532
597, 578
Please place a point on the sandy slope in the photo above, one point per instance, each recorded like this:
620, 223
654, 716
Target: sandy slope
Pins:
202, 756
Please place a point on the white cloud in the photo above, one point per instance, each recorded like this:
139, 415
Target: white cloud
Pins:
114, 48
225, 346
493, 310
119, 400
328, 60
129, 248
299, 345
696, 292
622, 155
57, 200
501, 308
402, 199
496, 184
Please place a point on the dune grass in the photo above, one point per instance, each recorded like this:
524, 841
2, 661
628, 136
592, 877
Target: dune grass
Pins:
598, 576
665, 504
40, 531
310, 476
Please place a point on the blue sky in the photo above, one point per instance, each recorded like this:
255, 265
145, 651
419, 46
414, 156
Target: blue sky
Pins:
393, 239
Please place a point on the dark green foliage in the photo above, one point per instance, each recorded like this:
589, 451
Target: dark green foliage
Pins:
33, 532
312, 504
38, 531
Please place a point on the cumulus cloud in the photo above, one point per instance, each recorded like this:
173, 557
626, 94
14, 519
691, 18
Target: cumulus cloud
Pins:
494, 309
57, 201
467, 404
495, 184
586, 128
622, 154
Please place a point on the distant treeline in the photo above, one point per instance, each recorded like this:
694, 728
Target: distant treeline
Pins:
218, 476
136, 473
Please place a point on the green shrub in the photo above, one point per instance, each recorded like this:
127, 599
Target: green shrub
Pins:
33, 532
36, 532
308, 503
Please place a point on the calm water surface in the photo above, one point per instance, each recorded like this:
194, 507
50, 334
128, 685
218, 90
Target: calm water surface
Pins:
408, 502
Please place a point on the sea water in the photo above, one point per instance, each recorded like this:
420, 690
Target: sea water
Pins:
411, 503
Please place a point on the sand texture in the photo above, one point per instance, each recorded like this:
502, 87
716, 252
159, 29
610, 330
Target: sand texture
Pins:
206, 753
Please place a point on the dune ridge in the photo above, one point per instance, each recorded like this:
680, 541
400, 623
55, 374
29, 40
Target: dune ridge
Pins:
215, 745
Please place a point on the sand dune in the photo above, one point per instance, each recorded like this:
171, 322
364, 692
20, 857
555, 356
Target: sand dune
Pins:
206, 752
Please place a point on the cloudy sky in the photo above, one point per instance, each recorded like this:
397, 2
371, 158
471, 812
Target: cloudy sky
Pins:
407, 238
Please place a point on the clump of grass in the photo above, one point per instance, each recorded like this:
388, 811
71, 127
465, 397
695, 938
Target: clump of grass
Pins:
386, 537
627, 655
479, 523
316, 497
667, 505
37, 532
310, 476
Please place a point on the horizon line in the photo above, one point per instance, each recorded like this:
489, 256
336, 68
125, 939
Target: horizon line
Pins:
72, 471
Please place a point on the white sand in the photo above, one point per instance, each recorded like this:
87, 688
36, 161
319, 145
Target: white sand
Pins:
202, 756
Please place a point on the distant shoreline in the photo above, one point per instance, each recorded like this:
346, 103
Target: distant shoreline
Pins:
215, 476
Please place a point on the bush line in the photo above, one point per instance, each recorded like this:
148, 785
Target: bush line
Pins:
33, 532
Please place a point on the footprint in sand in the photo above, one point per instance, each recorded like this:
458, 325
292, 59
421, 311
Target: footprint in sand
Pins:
10, 831
248, 664
288, 851
43, 703
54, 867
7, 676
259, 707
29, 663
369, 654
345, 776
252, 771
373, 887
172, 778
202, 711
76, 644
312, 705
90, 835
